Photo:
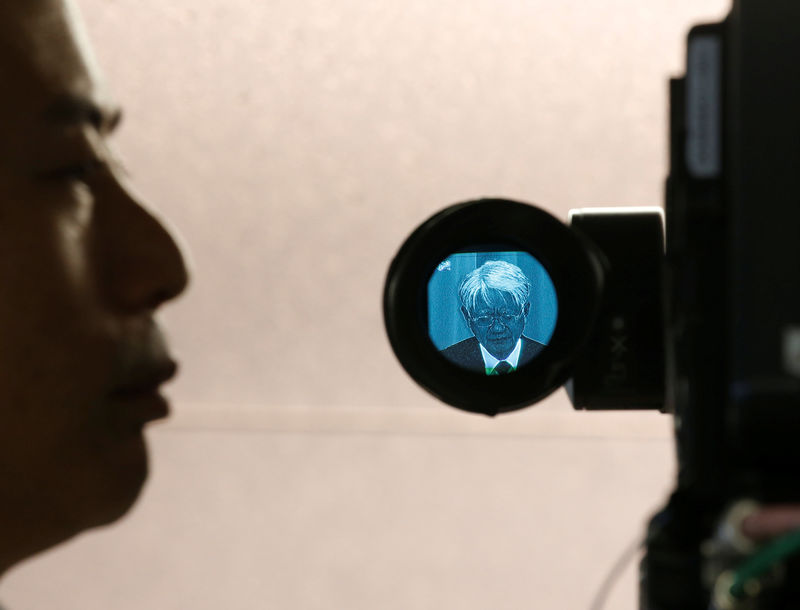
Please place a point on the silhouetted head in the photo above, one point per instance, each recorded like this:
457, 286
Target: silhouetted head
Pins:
83, 268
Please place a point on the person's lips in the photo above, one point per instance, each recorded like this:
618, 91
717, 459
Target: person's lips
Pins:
136, 397
500, 338
146, 376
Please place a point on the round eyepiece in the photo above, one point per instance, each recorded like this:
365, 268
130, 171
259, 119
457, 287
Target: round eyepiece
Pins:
488, 303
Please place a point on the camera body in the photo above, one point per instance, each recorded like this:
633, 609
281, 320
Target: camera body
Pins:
704, 325
732, 297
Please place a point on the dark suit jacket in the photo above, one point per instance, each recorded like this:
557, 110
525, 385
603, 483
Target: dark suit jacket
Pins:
467, 353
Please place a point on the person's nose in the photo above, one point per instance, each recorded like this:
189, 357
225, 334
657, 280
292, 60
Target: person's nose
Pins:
140, 264
497, 325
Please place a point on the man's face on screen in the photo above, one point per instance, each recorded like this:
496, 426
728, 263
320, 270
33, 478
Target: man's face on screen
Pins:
83, 267
497, 322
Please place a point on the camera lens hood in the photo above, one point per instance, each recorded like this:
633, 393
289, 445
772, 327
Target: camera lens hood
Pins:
572, 262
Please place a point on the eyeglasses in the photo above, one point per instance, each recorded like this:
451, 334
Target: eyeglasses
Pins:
504, 317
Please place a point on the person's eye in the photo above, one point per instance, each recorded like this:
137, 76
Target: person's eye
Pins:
73, 172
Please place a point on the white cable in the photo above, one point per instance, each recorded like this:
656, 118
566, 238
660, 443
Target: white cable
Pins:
614, 574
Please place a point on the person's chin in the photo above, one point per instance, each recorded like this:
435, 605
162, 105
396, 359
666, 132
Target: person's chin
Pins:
499, 349
122, 455
119, 483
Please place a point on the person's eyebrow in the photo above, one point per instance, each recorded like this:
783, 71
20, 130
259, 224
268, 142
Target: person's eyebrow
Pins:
70, 110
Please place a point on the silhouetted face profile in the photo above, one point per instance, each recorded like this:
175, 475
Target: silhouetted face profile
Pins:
497, 322
84, 267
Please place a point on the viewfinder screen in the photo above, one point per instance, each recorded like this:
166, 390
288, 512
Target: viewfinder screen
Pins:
491, 312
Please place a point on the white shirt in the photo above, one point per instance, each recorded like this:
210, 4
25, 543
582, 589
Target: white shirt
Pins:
513, 358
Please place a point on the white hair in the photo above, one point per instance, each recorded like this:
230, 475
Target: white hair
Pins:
494, 275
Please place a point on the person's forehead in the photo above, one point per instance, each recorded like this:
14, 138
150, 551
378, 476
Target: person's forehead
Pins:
44, 53
492, 298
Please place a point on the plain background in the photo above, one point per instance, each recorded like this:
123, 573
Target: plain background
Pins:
295, 145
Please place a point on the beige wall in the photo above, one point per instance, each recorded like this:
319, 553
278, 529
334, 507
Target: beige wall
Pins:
295, 144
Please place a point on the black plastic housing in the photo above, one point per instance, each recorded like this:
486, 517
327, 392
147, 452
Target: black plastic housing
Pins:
573, 265
622, 365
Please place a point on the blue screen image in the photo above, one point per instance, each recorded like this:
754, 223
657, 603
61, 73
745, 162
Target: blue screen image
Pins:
491, 311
